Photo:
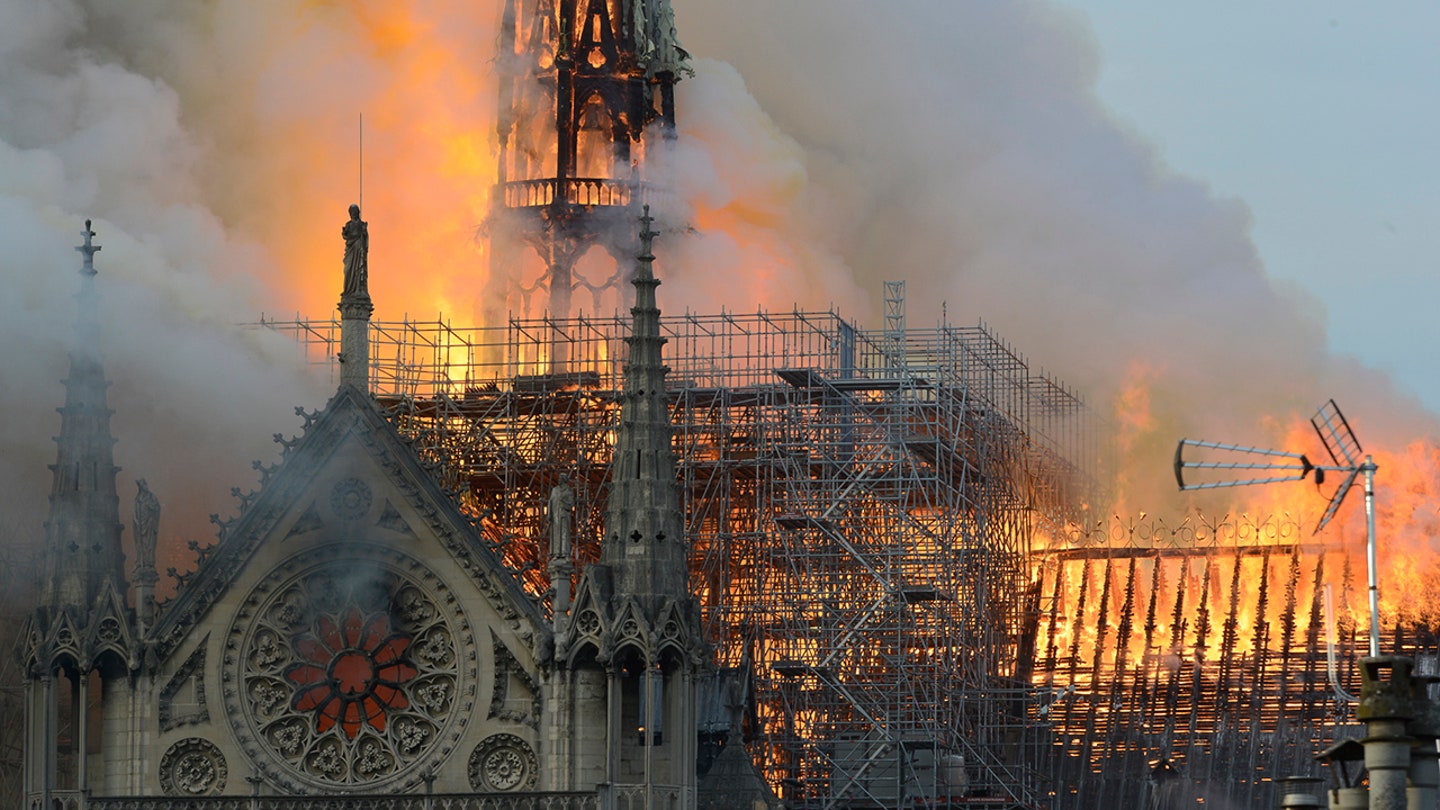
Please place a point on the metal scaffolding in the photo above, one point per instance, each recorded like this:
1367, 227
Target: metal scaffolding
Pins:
861, 507
886, 535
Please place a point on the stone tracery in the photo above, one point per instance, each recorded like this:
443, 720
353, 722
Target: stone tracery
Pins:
350, 674
502, 762
193, 767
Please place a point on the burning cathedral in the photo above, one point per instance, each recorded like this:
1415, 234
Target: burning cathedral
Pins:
655, 562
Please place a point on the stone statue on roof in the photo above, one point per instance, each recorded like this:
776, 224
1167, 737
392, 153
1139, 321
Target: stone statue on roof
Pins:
147, 526
657, 43
357, 255
562, 502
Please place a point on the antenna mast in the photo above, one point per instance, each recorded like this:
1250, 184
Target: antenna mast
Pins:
1278, 465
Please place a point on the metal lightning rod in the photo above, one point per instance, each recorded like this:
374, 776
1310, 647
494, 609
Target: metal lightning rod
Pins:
1344, 450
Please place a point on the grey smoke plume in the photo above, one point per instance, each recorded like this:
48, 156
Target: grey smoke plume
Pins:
961, 147
86, 134
826, 146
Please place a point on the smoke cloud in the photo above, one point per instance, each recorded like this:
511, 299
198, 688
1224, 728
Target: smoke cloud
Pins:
86, 134
961, 147
826, 146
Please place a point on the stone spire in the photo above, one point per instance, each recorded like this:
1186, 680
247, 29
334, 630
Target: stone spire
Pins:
644, 541
82, 537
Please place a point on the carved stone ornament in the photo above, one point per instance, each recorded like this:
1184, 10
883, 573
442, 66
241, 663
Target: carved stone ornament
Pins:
350, 499
503, 762
193, 767
588, 624
350, 667
108, 631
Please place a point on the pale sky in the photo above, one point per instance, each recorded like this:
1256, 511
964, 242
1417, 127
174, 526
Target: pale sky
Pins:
1322, 116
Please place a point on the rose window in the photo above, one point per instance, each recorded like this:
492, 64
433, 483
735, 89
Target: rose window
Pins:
349, 673
352, 672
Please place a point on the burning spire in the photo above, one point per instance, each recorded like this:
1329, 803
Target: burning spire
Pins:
584, 87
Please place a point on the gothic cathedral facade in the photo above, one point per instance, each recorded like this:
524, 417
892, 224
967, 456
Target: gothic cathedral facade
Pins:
352, 635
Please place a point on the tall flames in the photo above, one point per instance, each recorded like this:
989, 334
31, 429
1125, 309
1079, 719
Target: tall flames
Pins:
392, 105
291, 151
219, 144
1247, 580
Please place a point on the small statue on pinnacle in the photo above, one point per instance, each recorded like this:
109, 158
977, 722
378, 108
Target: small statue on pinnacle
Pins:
147, 527
562, 504
357, 256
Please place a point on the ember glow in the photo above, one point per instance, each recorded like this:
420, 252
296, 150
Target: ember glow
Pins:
225, 141
740, 176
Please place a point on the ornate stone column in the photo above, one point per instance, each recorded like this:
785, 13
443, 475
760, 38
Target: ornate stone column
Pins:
355, 342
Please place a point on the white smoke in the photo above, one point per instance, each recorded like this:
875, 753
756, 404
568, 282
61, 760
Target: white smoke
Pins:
215, 147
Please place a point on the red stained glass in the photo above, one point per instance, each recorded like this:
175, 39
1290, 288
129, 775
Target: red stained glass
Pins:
312, 650
312, 696
352, 625
330, 633
326, 717
351, 723
351, 672
390, 696
374, 713
392, 649
374, 633
397, 673
306, 674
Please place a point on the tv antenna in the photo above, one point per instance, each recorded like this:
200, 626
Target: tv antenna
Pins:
1280, 465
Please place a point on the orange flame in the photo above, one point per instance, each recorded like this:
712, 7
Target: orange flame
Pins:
1249, 582
288, 150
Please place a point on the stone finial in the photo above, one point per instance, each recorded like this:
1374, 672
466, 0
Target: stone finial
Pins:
647, 237
89, 249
